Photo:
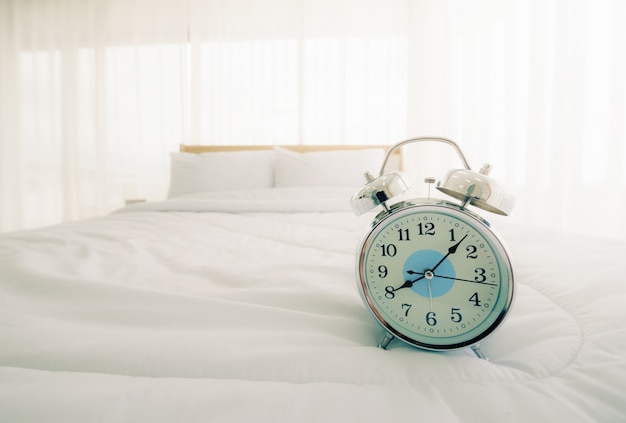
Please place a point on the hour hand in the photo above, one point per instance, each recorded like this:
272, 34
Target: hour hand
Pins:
408, 284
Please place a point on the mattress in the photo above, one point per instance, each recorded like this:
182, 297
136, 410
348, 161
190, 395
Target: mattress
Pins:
243, 306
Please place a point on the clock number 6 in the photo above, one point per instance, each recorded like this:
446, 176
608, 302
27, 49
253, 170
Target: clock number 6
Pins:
430, 318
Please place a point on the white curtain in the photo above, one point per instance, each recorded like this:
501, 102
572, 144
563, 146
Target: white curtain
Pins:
94, 94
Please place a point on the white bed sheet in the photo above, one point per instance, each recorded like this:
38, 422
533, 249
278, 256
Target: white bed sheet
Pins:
243, 306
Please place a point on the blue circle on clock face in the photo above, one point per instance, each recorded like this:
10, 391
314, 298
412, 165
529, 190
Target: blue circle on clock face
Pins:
423, 260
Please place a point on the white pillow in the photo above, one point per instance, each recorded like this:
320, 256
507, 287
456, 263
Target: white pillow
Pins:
192, 173
341, 168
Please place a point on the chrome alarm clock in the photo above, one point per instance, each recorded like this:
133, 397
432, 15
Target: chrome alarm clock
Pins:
433, 273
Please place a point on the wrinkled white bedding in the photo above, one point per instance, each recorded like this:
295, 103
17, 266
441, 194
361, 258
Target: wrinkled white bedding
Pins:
244, 307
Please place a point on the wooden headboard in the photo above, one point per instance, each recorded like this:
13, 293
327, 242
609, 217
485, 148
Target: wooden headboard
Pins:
395, 162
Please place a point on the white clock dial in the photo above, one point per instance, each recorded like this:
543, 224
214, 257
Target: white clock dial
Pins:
435, 276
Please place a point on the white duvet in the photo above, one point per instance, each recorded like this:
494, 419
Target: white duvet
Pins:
243, 307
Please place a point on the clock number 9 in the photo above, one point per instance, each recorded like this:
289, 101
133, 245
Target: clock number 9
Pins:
382, 271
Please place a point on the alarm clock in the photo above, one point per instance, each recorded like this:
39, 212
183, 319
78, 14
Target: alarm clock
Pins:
434, 273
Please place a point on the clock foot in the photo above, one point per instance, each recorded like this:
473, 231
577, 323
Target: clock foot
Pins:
385, 341
478, 352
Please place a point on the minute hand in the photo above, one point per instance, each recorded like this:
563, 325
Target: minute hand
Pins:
451, 250
467, 280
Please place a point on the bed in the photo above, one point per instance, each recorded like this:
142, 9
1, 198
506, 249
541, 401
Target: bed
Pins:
235, 299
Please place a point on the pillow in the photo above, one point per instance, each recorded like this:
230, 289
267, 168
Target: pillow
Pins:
191, 173
341, 168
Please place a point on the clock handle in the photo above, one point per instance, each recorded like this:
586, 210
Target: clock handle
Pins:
475, 188
379, 190
420, 139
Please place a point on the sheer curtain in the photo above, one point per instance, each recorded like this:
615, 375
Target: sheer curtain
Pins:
90, 106
95, 94
537, 88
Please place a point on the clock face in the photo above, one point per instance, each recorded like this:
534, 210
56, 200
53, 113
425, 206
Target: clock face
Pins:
435, 276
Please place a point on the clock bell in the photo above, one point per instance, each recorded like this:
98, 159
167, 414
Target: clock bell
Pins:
475, 188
